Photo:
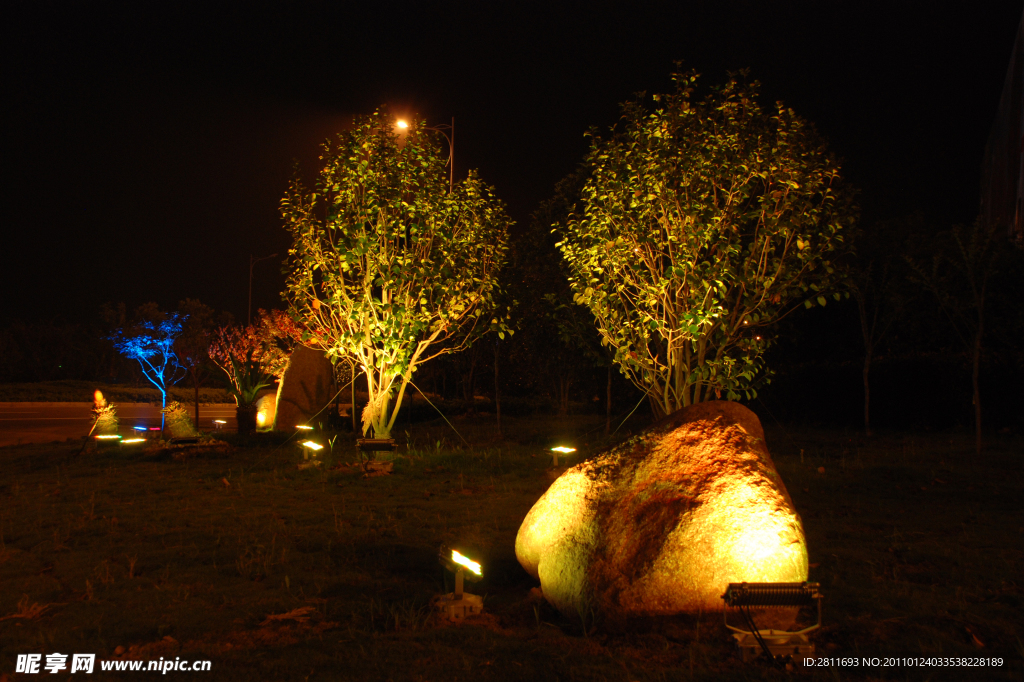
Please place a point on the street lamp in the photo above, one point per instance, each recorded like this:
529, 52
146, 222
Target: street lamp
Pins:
449, 136
252, 262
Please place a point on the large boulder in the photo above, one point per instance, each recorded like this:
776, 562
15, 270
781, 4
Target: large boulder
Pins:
305, 388
663, 523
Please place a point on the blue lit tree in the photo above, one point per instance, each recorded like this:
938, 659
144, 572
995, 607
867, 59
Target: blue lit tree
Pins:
151, 343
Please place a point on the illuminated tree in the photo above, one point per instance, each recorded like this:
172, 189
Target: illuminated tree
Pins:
387, 265
701, 224
151, 344
253, 357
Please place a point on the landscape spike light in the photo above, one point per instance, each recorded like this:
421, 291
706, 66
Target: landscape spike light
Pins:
459, 604
127, 441
219, 421
303, 427
312, 446
560, 449
466, 562
107, 436
139, 428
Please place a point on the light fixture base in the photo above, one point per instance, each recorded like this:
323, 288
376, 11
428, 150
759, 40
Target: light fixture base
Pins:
780, 644
453, 608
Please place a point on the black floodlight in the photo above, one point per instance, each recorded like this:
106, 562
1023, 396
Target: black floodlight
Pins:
375, 444
368, 446
775, 644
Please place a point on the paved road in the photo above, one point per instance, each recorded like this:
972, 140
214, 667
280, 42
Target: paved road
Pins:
48, 422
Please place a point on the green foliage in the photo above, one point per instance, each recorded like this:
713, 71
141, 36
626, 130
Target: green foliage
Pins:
387, 266
178, 424
701, 224
248, 378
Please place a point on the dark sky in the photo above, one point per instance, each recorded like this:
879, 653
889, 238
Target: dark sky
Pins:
145, 146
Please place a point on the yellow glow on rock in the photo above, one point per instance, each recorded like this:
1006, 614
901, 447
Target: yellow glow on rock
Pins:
663, 525
464, 561
261, 418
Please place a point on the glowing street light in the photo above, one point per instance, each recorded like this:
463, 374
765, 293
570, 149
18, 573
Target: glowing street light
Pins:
449, 136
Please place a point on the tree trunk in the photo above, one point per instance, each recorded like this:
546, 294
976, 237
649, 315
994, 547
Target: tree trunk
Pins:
353, 393
867, 394
608, 404
866, 331
563, 394
195, 383
468, 380
975, 369
246, 417
497, 390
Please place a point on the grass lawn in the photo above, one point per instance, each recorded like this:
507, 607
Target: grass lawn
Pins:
276, 573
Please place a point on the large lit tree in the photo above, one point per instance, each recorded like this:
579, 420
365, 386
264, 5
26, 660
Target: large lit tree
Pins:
387, 265
701, 224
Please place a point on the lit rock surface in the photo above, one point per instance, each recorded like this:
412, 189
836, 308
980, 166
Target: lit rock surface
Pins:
663, 523
305, 388
266, 406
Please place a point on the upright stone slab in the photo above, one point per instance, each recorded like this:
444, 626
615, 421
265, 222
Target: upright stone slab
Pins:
305, 388
664, 522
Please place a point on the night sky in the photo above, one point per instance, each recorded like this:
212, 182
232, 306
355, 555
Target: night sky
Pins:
145, 146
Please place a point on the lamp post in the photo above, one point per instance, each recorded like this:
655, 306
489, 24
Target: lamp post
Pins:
252, 262
449, 136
